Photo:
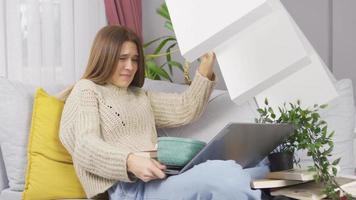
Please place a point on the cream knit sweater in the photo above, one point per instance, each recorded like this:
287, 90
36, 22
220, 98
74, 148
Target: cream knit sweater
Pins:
101, 125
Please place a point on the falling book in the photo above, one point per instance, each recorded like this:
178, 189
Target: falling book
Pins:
273, 183
292, 174
252, 55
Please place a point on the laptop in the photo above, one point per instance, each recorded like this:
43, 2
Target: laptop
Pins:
246, 143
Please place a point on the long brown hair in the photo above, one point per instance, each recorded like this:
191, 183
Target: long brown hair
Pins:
105, 55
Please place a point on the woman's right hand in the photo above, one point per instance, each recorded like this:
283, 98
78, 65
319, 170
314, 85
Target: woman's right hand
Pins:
144, 168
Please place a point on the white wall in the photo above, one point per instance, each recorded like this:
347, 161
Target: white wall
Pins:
2, 40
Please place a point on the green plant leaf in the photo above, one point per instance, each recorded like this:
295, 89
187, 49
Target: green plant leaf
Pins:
169, 57
334, 171
176, 64
260, 110
152, 66
332, 134
155, 40
315, 115
270, 110
266, 101
336, 162
169, 25
323, 106
163, 11
162, 44
154, 56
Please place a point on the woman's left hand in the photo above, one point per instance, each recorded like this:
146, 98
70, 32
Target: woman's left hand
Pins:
206, 65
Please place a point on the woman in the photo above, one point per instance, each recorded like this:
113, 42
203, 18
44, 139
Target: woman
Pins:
107, 116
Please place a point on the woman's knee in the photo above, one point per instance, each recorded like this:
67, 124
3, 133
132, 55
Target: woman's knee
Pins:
226, 174
220, 168
221, 178
219, 164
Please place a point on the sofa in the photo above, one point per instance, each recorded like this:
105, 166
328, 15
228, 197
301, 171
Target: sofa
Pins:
16, 108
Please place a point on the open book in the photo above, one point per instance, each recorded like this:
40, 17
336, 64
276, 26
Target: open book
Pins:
273, 183
292, 174
313, 190
149, 153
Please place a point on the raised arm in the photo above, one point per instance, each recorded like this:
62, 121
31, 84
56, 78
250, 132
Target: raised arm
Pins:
173, 109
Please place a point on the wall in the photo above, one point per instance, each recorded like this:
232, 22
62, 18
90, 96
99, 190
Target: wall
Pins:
344, 40
313, 17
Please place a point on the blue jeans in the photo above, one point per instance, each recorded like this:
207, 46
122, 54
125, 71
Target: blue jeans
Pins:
210, 180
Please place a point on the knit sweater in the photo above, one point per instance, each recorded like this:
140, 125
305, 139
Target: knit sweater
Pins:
102, 124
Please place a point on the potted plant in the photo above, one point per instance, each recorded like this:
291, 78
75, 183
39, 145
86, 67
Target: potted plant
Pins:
164, 47
310, 134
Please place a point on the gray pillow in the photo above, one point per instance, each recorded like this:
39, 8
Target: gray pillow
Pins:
15, 162
15, 119
4, 183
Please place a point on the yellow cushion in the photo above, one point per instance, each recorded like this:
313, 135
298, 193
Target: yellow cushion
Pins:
50, 173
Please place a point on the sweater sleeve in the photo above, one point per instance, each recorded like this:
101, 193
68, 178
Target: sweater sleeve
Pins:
90, 151
173, 109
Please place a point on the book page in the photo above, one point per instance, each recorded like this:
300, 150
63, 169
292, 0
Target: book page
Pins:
201, 25
260, 56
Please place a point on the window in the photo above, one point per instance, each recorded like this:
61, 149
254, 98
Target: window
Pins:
46, 42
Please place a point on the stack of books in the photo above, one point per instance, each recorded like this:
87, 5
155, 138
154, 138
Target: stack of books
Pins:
148, 154
170, 170
300, 184
284, 178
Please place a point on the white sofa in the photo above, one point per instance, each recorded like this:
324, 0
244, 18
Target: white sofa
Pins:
16, 106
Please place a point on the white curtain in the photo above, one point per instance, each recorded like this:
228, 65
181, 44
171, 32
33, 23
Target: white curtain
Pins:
45, 42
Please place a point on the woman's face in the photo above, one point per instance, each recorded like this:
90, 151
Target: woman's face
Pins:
127, 66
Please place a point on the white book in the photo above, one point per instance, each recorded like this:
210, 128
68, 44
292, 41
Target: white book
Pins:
307, 191
148, 154
350, 188
292, 174
313, 190
312, 85
273, 183
201, 25
260, 56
